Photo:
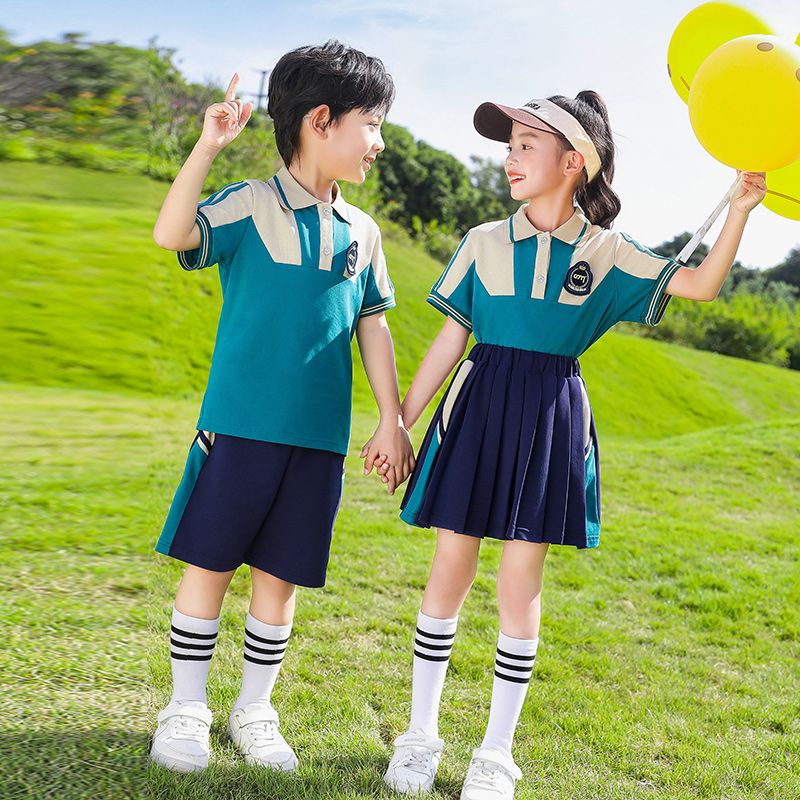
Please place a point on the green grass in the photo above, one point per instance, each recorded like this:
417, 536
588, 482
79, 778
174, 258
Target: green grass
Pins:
668, 659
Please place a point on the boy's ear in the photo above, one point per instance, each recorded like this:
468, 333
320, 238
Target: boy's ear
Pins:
318, 119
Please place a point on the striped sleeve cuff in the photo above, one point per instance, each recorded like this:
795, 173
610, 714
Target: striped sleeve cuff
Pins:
439, 302
198, 258
659, 298
385, 303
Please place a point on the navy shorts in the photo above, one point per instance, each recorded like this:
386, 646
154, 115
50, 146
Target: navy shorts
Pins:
244, 501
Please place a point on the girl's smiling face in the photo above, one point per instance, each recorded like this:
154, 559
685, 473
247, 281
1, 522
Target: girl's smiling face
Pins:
536, 164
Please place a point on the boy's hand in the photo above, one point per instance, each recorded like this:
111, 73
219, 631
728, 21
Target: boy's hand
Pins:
751, 192
389, 448
224, 121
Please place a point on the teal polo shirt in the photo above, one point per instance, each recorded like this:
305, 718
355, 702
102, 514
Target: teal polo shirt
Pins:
297, 274
553, 291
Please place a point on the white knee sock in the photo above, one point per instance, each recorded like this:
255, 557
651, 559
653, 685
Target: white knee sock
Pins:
264, 646
513, 669
432, 646
192, 643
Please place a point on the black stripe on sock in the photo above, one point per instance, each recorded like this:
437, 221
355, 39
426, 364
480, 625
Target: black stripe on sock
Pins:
515, 667
261, 660
266, 641
515, 655
265, 650
436, 635
191, 635
433, 646
509, 678
430, 658
191, 646
184, 657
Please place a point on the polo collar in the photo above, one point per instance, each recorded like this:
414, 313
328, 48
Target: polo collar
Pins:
293, 196
520, 227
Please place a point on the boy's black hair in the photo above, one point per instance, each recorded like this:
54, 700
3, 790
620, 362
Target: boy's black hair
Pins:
333, 74
597, 199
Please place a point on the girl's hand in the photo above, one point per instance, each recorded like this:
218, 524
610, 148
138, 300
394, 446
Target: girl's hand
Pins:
751, 192
390, 452
224, 121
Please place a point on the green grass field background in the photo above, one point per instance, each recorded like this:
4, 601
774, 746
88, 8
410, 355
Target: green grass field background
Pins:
668, 665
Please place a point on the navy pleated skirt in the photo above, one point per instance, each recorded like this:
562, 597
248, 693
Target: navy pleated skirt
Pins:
511, 452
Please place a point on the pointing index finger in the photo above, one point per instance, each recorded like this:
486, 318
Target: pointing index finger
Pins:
230, 92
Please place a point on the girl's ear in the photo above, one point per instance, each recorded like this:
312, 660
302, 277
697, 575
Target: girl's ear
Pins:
574, 163
318, 120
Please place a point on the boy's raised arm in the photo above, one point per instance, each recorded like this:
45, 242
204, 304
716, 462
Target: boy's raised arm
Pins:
175, 228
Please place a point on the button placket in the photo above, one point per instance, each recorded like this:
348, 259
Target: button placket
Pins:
326, 238
542, 265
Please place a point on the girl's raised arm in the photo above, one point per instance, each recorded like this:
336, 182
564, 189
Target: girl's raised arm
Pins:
705, 281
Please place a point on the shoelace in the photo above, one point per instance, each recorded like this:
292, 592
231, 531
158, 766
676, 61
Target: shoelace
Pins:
188, 727
263, 732
417, 760
485, 774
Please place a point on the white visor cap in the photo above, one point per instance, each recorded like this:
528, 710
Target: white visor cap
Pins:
494, 121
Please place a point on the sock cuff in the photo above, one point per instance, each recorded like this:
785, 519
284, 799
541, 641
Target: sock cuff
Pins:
520, 647
435, 625
267, 630
194, 624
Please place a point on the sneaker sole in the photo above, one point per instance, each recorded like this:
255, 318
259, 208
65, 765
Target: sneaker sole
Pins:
175, 764
407, 789
281, 766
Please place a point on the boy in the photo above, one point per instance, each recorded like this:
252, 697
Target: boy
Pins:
301, 272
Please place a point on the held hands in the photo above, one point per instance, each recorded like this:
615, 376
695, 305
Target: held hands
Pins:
390, 452
751, 192
224, 121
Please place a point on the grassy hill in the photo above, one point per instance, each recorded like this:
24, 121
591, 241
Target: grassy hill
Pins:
668, 666
92, 302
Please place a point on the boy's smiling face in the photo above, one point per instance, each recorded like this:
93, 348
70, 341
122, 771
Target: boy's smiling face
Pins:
350, 145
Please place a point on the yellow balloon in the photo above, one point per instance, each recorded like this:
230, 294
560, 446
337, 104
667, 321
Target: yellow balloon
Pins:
701, 32
744, 104
783, 191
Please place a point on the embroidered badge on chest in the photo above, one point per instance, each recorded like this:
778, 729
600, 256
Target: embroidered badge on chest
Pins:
351, 257
579, 278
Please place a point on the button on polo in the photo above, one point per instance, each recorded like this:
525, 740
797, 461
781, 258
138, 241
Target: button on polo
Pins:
327, 251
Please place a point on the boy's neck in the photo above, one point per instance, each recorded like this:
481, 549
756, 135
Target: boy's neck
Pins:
313, 181
548, 213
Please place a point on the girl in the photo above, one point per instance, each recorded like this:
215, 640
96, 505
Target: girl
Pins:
511, 452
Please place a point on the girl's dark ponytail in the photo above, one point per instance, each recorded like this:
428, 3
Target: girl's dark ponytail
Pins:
598, 200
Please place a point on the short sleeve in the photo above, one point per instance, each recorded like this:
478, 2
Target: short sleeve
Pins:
640, 282
452, 293
222, 219
379, 291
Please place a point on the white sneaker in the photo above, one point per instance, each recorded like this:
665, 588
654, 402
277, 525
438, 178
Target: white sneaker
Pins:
413, 765
180, 742
254, 731
491, 776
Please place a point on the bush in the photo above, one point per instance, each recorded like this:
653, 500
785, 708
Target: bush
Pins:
755, 325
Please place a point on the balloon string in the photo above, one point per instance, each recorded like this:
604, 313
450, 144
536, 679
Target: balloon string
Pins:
692, 244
